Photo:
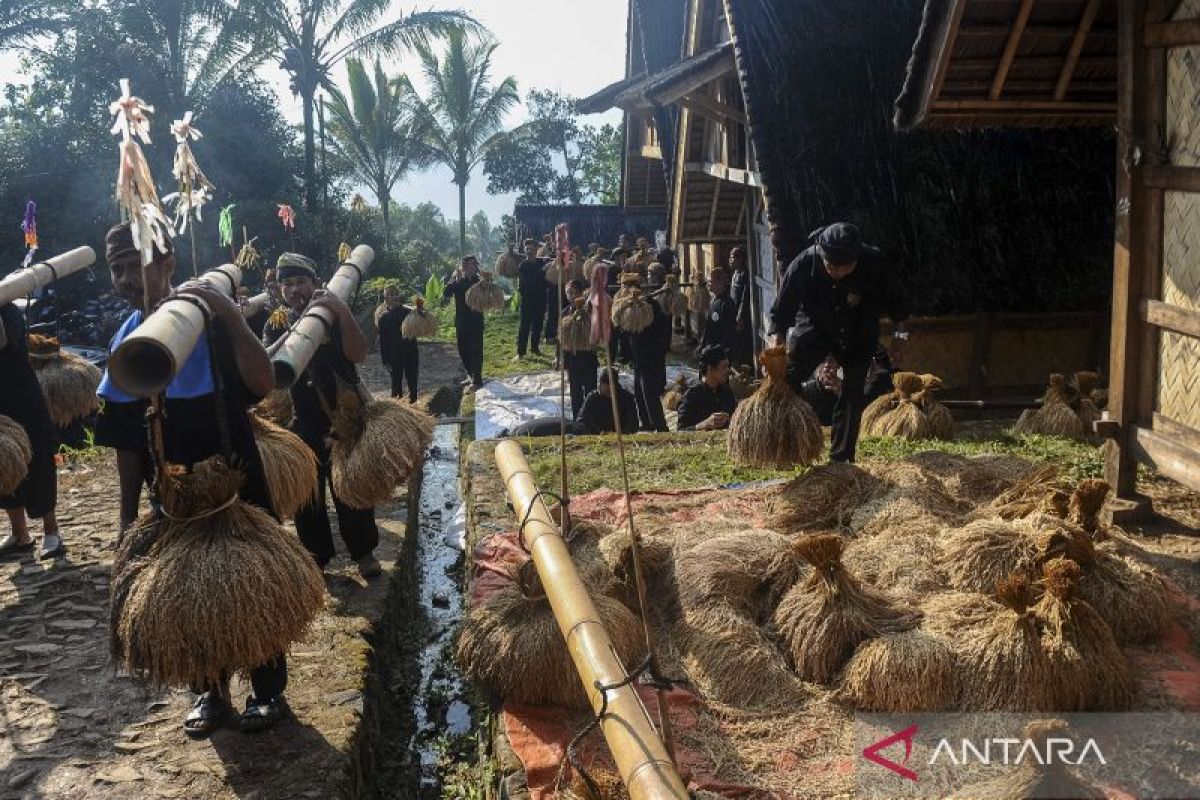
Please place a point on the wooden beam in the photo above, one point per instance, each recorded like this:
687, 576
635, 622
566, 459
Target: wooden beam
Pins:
651, 152
1168, 455
1050, 106
1081, 34
722, 172
946, 50
1173, 318
739, 229
719, 112
1034, 31
1159, 10
716, 205
1010, 49
1167, 177
1151, 104
716, 238
1180, 33
1032, 62
1185, 434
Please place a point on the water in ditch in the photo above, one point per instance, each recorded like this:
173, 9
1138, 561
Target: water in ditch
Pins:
439, 703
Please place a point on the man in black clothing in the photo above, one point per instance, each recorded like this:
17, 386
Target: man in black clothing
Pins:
742, 351
831, 298
649, 350
532, 284
596, 415
720, 328
821, 391
314, 398
400, 355
708, 405
581, 366
468, 323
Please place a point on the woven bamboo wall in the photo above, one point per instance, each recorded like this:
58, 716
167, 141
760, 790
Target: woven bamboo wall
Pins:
1179, 356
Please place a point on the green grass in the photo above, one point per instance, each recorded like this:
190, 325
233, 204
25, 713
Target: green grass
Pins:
680, 461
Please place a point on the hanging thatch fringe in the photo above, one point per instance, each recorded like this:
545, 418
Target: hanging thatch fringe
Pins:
16, 452
775, 428
289, 464
68, 382
375, 445
276, 407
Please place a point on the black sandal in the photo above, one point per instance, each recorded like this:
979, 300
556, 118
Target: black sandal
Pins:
208, 713
259, 716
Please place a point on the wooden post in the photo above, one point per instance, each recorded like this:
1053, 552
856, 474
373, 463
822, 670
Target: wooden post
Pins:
639, 754
979, 355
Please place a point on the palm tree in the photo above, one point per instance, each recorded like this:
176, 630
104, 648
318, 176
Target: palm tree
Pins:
376, 136
314, 36
24, 20
465, 110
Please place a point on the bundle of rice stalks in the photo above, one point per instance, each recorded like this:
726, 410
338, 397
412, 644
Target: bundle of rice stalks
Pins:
699, 298
485, 295
276, 407
589, 265
380, 310
875, 410
572, 270
68, 382
825, 617
200, 595
774, 427
289, 464
976, 557
508, 265
675, 393
631, 311
16, 452
1088, 671
906, 495
375, 444
743, 382
1087, 501
671, 298
910, 671
1056, 417
1040, 489
899, 554
420, 324
941, 421
608, 786
746, 570
823, 498
977, 479
575, 329
510, 643
1038, 776
903, 417
616, 548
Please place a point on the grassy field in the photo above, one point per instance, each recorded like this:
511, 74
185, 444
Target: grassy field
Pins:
678, 461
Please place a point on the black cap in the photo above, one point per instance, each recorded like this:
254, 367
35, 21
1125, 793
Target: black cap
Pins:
840, 243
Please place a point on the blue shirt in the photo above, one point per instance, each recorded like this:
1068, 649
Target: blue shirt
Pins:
194, 379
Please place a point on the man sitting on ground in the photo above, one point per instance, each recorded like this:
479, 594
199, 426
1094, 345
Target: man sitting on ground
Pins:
708, 405
596, 415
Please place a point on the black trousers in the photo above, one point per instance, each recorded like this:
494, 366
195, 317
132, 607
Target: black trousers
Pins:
649, 383
529, 335
582, 369
549, 328
405, 367
805, 354
356, 526
470, 350
267, 681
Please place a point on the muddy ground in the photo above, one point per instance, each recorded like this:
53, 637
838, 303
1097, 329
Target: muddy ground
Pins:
72, 726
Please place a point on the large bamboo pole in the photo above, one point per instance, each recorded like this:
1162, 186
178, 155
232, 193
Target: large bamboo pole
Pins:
149, 359
291, 354
254, 305
640, 756
24, 281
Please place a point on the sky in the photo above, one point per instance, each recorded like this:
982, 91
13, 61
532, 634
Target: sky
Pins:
593, 57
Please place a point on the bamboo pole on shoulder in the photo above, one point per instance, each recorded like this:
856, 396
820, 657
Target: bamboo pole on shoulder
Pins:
640, 756
255, 304
149, 359
291, 354
43, 273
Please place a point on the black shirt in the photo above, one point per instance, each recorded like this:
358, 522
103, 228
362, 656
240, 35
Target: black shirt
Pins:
464, 316
844, 315
721, 327
649, 348
596, 414
531, 280
392, 344
739, 290
700, 402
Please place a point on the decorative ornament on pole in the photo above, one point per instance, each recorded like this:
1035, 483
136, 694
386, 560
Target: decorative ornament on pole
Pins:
225, 225
136, 194
29, 227
195, 189
287, 215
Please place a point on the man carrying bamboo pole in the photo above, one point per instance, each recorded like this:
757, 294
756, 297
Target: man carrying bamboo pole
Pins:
314, 398
468, 323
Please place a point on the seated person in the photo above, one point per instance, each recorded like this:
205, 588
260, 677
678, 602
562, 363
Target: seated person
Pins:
821, 390
596, 415
542, 426
708, 405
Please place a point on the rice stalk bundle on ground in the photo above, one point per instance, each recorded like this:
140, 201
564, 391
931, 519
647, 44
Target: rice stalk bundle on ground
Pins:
823, 618
16, 452
1039, 490
909, 671
420, 324
672, 299
608, 785
821, 499
485, 296
904, 419
901, 487
510, 643
289, 464
900, 556
507, 264
210, 594
375, 445
746, 570
875, 409
941, 421
675, 392
575, 330
68, 382
955, 617
1036, 776
699, 298
977, 479
616, 548
1057, 416
981, 554
571, 271
631, 311
1087, 668
276, 407
1087, 501
774, 428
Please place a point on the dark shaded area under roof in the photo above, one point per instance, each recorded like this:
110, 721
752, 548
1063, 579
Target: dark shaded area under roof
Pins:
589, 223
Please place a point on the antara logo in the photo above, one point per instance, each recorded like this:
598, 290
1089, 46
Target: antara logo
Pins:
907, 735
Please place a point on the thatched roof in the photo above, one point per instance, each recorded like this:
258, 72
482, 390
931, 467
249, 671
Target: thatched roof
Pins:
662, 88
1012, 63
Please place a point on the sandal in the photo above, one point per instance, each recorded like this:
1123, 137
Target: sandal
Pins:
259, 716
208, 713
13, 548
